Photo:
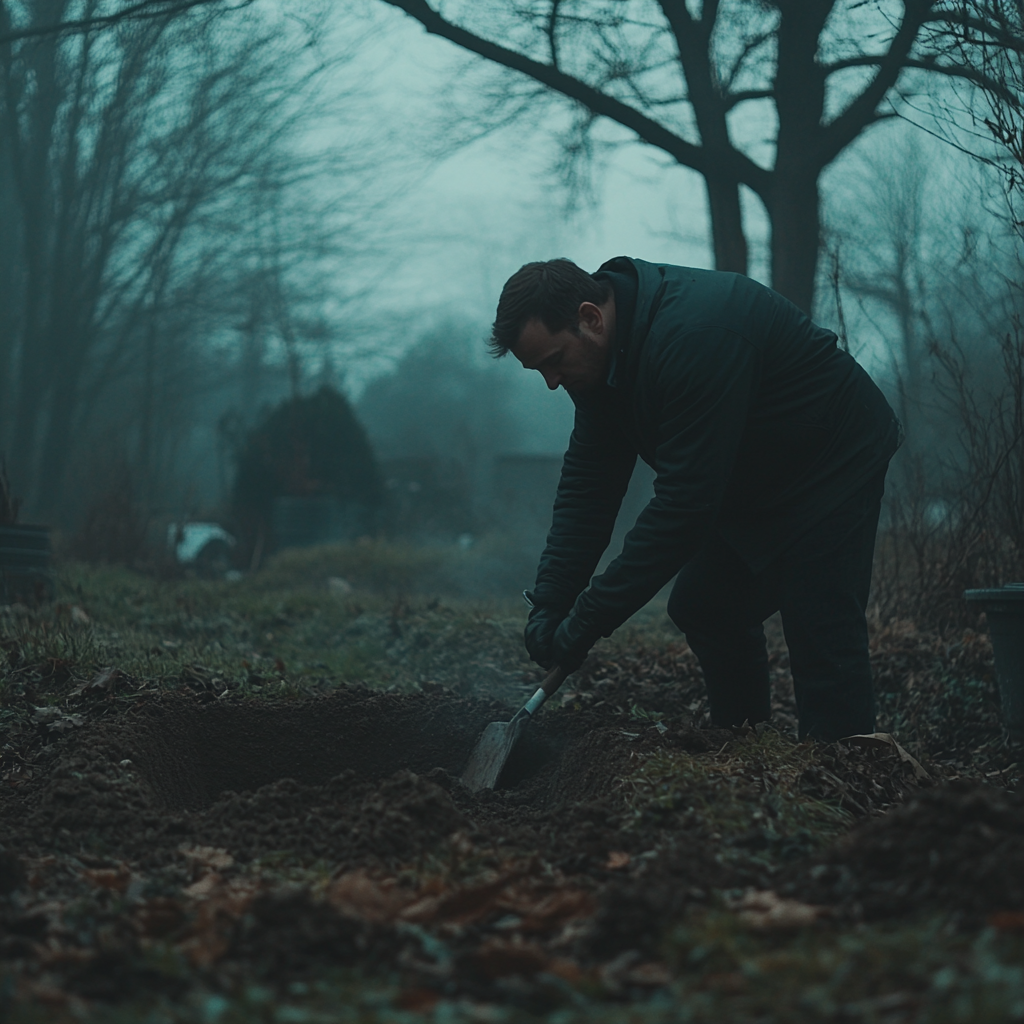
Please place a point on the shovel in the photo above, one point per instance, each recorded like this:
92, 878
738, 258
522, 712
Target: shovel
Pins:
498, 739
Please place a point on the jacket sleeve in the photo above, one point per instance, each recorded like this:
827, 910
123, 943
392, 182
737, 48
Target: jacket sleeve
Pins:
595, 474
700, 386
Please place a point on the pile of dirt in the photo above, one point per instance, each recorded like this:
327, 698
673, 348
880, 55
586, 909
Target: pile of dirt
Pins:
356, 777
244, 837
262, 838
955, 849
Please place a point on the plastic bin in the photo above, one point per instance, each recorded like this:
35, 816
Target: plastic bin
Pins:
1004, 609
25, 573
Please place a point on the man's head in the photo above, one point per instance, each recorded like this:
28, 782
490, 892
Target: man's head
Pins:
558, 320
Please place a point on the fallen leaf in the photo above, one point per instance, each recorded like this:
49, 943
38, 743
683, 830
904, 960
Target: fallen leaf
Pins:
219, 905
418, 1000
159, 917
765, 910
567, 970
356, 894
204, 888
649, 975
617, 860
66, 722
884, 739
462, 905
117, 879
212, 857
56, 720
613, 974
105, 679
728, 983
552, 910
78, 616
499, 958
210, 938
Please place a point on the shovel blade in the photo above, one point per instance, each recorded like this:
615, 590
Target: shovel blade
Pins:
490, 754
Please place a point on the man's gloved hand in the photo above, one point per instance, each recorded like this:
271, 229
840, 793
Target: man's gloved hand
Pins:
540, 631
574, 637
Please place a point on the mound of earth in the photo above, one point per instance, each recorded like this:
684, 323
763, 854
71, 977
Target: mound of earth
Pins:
182, 836
957, 848
265, 838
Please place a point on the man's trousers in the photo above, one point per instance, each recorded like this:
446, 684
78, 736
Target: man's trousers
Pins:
820, 586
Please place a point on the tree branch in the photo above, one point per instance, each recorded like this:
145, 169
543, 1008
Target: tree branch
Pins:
970, 74
749, 47
998, 36
686, 153
836, 136
141, 10
736, 98
552, 32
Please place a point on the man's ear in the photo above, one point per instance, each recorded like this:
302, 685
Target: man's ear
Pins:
592, 316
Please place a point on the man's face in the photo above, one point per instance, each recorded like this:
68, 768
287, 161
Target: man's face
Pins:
577, 362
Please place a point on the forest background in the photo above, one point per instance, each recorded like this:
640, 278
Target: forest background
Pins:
207, 208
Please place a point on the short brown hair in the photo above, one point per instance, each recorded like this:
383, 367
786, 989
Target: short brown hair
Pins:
551, 292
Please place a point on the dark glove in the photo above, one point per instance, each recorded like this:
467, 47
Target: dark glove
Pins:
573, 639
540, 631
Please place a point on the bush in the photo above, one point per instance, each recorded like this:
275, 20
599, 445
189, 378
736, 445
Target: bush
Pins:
310, 446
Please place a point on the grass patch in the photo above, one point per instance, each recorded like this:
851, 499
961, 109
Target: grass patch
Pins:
285, 626
749, 796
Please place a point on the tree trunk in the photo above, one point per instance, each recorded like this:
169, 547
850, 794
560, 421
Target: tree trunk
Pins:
800, 102
30, 150
796, 229
727, 225
58, 439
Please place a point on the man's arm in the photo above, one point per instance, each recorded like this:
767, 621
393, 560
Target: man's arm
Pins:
701, 387
595, 474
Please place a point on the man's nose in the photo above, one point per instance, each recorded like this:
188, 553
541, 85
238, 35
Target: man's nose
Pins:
552, 378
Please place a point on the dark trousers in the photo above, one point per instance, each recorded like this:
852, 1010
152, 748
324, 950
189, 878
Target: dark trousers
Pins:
820, 586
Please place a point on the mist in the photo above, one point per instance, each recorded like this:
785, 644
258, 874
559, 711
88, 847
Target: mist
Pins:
350, 670
209, 213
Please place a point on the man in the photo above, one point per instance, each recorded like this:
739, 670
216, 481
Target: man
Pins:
770, 446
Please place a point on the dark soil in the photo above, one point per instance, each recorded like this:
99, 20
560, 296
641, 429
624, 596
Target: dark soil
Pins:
959, 848
253, 838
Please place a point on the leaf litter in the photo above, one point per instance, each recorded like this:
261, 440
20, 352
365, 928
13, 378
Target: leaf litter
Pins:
201, 837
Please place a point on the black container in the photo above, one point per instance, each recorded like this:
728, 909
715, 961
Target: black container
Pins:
1004, 609
26, 576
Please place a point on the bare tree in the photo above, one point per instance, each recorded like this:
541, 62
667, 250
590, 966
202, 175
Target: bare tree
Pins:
141, 10
705, 83
886, 250
989, 40
135, 159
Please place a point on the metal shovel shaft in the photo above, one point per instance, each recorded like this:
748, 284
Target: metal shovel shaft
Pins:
494, 746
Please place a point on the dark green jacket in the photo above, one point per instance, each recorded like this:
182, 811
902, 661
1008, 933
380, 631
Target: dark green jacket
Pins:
755, 422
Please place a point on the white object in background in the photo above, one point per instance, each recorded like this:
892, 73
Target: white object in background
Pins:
338, 585
188, 539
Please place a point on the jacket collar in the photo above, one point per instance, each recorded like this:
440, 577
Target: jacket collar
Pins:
650, 284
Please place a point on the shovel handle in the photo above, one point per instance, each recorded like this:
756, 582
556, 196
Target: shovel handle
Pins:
552, 681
